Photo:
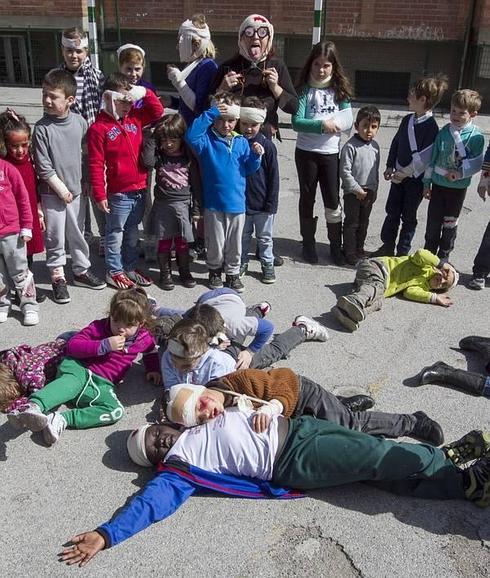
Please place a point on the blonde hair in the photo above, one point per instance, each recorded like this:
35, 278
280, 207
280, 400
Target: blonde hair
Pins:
432, 87
10, 390
467, 99
199, 21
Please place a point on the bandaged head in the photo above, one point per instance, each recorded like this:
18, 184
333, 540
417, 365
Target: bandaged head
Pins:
75, 43
189, 32
252, 115
136, 446
255, 24
455, 275
182, 405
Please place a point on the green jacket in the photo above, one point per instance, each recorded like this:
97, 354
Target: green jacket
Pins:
411, 275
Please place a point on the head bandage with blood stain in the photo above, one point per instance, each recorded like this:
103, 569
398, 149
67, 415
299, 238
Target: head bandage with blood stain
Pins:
75, 43
255, 21
252, 115
182, 405
189, 32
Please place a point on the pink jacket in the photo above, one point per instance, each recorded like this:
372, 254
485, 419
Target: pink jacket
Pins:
15, 209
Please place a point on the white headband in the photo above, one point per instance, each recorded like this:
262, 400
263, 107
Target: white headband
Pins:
456, 276
126, 46
188, 409
75, 43
136, 446
251, 114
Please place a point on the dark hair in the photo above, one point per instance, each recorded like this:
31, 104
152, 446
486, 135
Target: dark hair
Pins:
340, 83
432, 87
131, 307
11, 121
74, 32
117, 81
370, 112
193, 337
254, 102
169, 126
227, 97
62, 80
208, 316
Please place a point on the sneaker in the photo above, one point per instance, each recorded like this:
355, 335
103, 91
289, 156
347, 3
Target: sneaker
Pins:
119, 280
477, 283
477, 482
278, 261
472, 446
31, 318
139, 278
60, 291
55, 426
350, 306
263, 309
426, 430
4, 313
345, 320
215, 281
268, 274
29, 416
243, 269
88, 279
313, 330
233, 282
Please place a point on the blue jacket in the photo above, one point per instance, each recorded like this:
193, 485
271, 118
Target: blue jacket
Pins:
263, 186
225, 164
171, 487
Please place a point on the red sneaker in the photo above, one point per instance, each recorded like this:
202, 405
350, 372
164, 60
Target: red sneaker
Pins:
119, 280
139, 278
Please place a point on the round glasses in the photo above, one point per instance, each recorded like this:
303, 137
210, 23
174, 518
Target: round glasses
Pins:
261, 31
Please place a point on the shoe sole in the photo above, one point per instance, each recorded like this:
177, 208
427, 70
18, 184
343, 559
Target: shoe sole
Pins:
479, 443
62, 301
112, 283
352, 310
87, 286
268, 281
28, 323
33, 421
344, 320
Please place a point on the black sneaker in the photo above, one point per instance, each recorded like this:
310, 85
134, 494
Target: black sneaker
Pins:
426, 430
215, 281
233, 282
278, 261
472, 446
88, 279
60, 291
477, 482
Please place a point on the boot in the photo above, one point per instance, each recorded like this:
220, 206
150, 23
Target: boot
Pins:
334, 232
442, 374
357, 402
166, 281
307, 227
183, 262
426, 430
479, 344
386, 250
350, 246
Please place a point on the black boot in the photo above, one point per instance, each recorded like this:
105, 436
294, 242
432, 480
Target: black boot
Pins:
386, 250
166, 281
442, 374
307, 227
357, 402
426, 430
479, 344
334, 232
183, 262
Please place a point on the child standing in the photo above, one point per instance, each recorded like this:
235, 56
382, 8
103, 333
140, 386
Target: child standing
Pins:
131, 60
409, 155
262, 192
98, 357
15, 232
456, 156
118, 178
324, 111
57, 142
177, 186
359, 168
226, 159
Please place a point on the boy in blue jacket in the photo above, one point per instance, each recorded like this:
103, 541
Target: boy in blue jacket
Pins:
226, 159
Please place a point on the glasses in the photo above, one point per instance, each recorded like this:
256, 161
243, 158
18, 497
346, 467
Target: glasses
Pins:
261, 31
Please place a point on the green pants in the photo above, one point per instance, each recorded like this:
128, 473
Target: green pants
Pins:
94, 399
319, 454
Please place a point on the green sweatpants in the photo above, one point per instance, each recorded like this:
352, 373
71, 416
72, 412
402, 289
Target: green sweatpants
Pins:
318, 454
94, 399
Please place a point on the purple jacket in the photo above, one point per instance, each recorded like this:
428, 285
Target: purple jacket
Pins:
85, 347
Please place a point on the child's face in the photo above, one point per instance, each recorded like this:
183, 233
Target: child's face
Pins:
208, 406
185, 364
224, 126
321, 68
133, 70
442, 279
416, 105
367, 129
120, 328
55, 103
171, 146
123, 105
249, 129
17, 143
159, 439
460, 116
74, 57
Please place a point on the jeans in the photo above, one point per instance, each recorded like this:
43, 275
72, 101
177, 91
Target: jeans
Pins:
121, 243
262, 223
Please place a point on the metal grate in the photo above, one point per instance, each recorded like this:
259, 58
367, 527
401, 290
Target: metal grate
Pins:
376, 84
484, 64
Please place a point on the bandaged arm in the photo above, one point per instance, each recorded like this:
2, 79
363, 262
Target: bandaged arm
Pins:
58, 186
185, 91
274, 407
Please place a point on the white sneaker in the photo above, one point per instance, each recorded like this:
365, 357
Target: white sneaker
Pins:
4, 313
31, 318
55, 427
30, 416
313, 330
477, 283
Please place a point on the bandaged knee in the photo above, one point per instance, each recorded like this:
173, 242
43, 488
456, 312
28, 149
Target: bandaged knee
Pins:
333, 215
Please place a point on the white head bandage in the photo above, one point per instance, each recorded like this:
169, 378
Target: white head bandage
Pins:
176, 348
253, 115
109, 99
233, 110
255, 21
456, 276
136, 446
74, 43
182, 405
187, 33
126, 46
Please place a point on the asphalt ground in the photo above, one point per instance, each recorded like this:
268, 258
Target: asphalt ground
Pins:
49, 494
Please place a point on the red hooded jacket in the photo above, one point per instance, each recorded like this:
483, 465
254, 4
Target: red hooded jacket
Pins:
15, 209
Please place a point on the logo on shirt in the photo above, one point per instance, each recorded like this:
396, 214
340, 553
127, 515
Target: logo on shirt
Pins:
324, 105
130, 127
113, 133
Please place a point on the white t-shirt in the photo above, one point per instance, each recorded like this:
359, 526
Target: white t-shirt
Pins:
228, 445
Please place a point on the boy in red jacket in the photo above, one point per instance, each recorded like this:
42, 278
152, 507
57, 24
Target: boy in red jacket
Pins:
117, 177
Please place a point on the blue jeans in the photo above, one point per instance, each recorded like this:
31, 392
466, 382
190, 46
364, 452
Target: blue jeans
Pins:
263, 224
121, 230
